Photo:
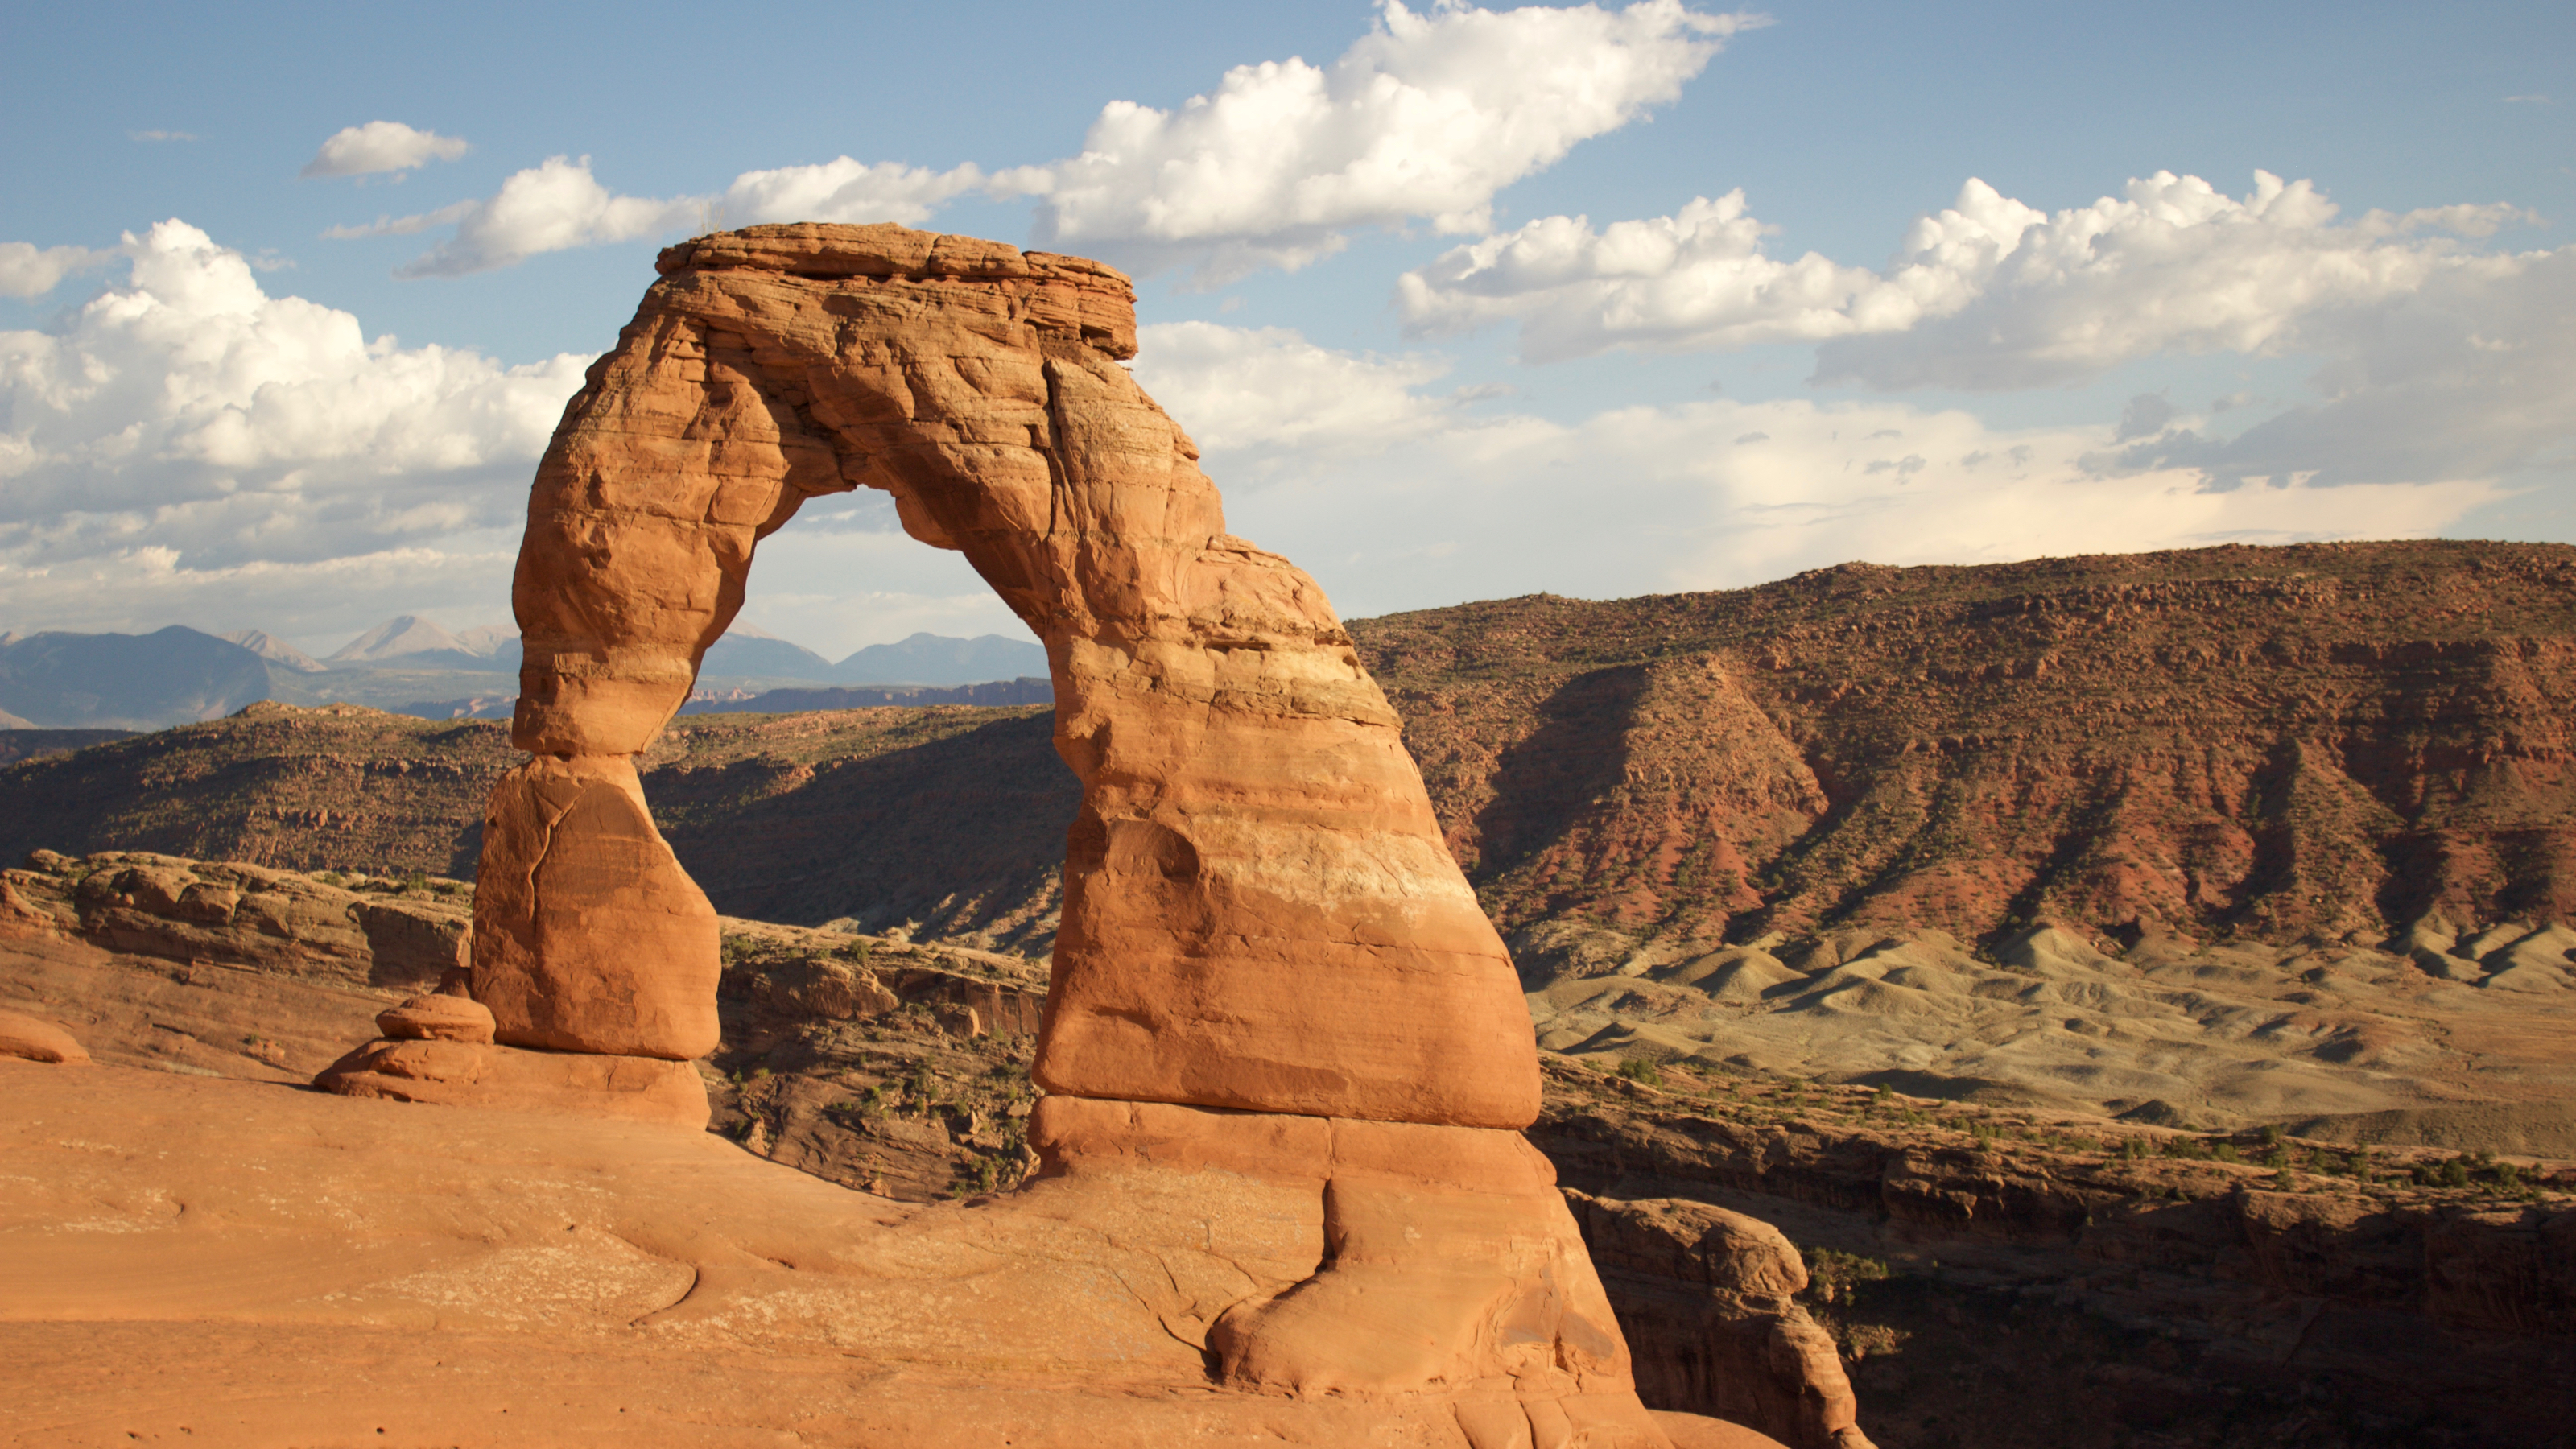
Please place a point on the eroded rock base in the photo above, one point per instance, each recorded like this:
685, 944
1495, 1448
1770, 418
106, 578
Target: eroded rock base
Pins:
1415, 1260
347, 1267
482, 1074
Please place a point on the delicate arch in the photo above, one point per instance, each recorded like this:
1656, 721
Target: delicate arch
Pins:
1259, 910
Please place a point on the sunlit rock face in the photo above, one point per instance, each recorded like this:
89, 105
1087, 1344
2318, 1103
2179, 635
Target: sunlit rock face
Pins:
1259, 911
1275, 1000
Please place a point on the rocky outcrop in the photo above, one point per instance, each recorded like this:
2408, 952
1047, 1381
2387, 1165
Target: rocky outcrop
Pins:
1708, 1297
1250, 817
459, 1073
34, 1039
226, 913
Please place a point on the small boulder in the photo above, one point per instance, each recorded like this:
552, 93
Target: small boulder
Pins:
37, 1040
437, 1018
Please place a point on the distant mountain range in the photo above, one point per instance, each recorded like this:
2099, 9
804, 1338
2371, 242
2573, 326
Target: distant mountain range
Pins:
177, 675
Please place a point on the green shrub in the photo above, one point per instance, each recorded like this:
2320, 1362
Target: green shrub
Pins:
1638, 1069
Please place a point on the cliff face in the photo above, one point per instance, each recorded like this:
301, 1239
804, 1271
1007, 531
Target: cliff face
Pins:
2264, 742
2004, 1279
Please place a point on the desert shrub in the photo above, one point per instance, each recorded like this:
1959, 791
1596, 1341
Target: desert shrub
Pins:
1831, 1274
1640, 1070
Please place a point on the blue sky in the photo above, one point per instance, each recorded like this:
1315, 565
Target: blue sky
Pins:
1538, 370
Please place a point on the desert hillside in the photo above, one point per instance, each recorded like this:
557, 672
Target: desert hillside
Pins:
2264, 744
2237, 741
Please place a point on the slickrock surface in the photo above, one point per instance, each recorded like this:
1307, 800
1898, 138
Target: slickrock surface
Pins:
472, 1074
231, 1263
1998, 1306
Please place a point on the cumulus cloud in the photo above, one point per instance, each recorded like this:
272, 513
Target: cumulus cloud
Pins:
843, 190
1719, 493
1427, 116
1988, 293
546, 208
1238, 386
1695, 280
27, 270
188, 428
380, 146
560, 204
2173, 266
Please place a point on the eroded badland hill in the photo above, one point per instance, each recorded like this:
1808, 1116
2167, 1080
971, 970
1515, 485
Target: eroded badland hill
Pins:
2268, 742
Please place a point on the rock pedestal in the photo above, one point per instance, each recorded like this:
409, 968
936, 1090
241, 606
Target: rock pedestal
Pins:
1268, 960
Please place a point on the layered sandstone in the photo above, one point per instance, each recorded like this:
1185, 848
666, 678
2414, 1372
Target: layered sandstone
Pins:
1258, 914
1274, 999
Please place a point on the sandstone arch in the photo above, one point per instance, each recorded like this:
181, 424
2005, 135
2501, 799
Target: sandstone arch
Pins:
1259, 914
1285, 1053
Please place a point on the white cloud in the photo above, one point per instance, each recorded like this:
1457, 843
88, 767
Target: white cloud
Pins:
1233, 387
2174, 266
2466, 375
1714, 494
413, 225
1694, 280
1427, 116
843, 190
380, 146
27, 270
560, 205
161, 135
546, 208
1989, 293
189, 429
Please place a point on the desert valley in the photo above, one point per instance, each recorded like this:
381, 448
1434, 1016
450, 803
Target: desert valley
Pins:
2121, 1000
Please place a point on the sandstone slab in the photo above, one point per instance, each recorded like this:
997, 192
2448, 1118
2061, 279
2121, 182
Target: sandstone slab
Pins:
437, 1018
34, 1039
458, 1073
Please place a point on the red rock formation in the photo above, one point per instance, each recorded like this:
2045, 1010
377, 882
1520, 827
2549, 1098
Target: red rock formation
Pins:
1258, 910
34, 1039
2235, 741
1712, 1291
1268, 964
